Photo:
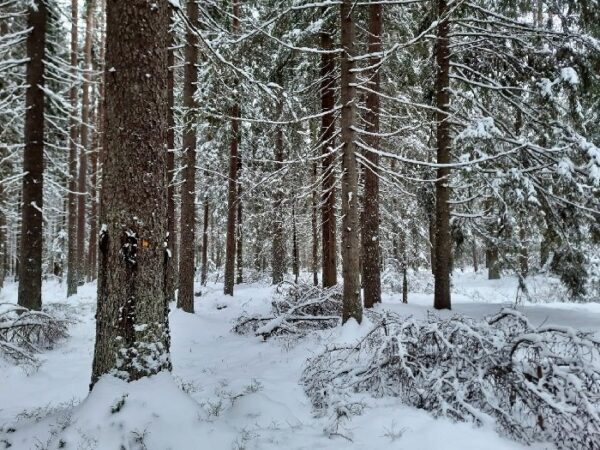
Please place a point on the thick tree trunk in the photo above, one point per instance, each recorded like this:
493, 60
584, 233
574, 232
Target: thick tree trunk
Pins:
73, 134
30, 270
132, 334
328, 243
171, 265
85, 144
443, 242
371, 278
232, 198
187, 227
204, 270
351, 307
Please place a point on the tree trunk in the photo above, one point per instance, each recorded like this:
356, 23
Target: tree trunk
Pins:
85, 144
278, 230
73, 134
314, 227
327, 136
3, 240
92, 254
443, 244
523, 252
30, 270
232, 205
371, 278
474, 254
132, 334
295, 255
96, 156
351, 306
230, 253
171, 266
204, 271
493, 263
239, 231
187, 227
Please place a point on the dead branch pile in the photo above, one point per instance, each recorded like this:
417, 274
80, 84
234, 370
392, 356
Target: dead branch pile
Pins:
25, 333
296, 309
535, 384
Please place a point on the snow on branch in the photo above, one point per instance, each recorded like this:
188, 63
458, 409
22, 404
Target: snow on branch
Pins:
534, 384
25, 333
296, 309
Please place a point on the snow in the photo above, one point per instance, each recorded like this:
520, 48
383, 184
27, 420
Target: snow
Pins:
231, 392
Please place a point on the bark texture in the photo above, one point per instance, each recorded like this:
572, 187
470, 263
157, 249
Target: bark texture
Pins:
371, 267
351, 307
278, 262
187, 227
314, 227
443, 242
232, 197
204, 270
30, 267
327, 137
85, 142
132, 335
73, 135
171, 263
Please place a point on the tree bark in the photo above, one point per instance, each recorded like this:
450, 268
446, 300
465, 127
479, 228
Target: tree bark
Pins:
187, 227
240, 230
96, 152
204, 271
314, 227
351, 303
232, 199
371, 269
295, 255
493, 263
85, 144
132, 334
327, 136
73, 135
278, 262
171, 265
443, 243
30, 270
474, 255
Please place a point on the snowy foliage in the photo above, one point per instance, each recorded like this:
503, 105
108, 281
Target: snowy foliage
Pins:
296, 309
536, 384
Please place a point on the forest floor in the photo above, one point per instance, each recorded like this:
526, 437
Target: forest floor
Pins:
239, 392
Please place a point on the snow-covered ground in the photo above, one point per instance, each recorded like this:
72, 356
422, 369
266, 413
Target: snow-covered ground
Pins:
236, 392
